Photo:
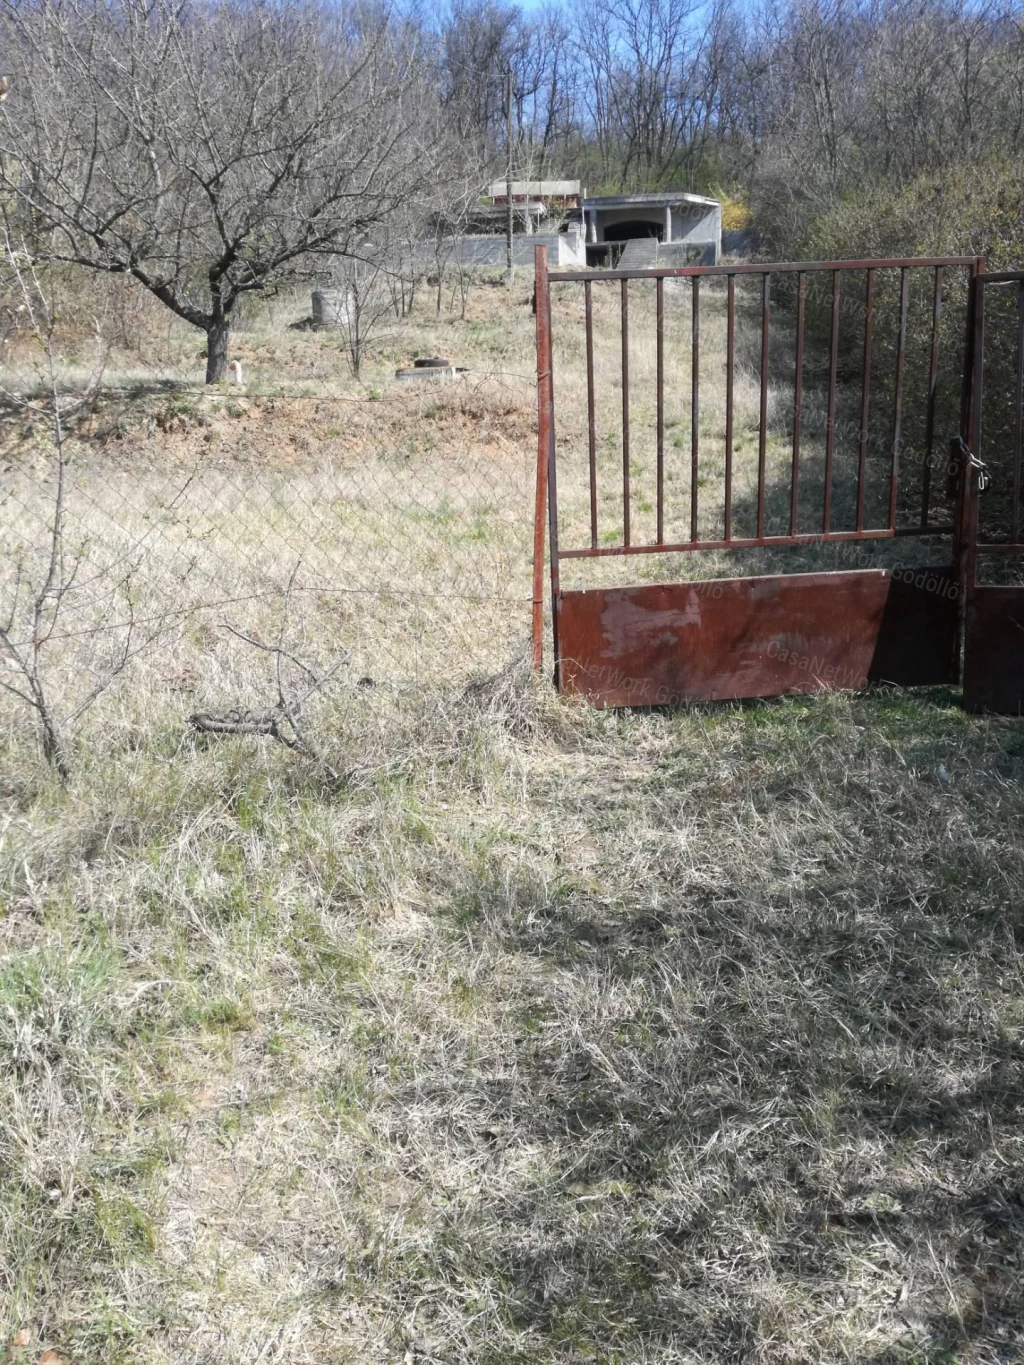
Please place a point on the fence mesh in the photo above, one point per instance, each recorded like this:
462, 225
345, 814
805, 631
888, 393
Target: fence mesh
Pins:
396, 552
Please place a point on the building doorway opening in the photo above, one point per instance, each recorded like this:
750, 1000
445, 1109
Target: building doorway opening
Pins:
634, 227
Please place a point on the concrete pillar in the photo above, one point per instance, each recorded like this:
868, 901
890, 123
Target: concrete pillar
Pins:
591, 215
668, 222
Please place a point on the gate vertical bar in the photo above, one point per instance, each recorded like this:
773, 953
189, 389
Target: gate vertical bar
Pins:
865, 396
897, 406
555, 568
545, 431
933, 378
660, 381
798, 397
1018, 417
964, 548
730, 357
762, 435
830, 417
625, 413
694, 404
591, 419
970, 482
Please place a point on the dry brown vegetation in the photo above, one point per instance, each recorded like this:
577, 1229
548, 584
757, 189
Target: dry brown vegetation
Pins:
544, 1034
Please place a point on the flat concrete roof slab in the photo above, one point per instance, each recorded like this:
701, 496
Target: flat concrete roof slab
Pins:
666, 199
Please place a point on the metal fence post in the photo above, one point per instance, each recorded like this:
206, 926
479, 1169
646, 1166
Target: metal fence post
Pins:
544, 419
966, 521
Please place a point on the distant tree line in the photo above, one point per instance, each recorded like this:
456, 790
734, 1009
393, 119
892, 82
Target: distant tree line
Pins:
210, 149
796, 106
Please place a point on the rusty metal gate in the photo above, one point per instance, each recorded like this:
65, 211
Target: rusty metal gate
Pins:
897, 346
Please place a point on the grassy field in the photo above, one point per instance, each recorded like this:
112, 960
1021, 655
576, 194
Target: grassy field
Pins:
542, 1034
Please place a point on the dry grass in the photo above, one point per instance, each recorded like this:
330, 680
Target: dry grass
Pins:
546, 1035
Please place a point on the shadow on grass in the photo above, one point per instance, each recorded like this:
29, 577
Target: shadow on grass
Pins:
776, 1068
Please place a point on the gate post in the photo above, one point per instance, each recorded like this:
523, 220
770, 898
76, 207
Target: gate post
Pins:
966, 521
545, 435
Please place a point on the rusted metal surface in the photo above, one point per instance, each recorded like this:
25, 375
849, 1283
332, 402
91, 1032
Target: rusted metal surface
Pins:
760, 636
554, 566
760, 542
960, 479
897, 406
1018, 415
773, 268
965, 545
1002, 532
762, 424
694, 405
723, 639
591, 419
660, 417
933, 382
1003, 537
994, 651
798, 398
830, 419
545, 432
625, 414
993, 627
730, 376
1002, 276
916, 644
633, 421
865, 402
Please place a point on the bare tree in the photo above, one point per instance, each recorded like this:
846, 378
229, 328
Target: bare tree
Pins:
206, 151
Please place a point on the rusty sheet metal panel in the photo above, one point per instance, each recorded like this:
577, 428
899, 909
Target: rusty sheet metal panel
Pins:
723, 639
994, 651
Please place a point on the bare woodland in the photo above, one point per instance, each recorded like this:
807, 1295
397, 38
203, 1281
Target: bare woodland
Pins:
209, 152
789, 105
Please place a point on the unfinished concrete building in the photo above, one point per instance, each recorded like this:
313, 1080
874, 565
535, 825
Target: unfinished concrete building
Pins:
640, 230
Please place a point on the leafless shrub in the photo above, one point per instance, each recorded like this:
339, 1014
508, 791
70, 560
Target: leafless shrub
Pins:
364, 281
285, 721
53, 591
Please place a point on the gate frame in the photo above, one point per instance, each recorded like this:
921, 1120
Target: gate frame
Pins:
993, 616
962, 530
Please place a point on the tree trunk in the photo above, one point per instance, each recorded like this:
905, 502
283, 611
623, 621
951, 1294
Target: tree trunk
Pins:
217, 351
54, 750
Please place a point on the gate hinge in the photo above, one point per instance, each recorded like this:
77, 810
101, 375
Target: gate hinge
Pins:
962, 451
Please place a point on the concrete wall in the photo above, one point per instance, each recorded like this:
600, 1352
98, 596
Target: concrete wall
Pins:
537, 189
488, 249
699, 227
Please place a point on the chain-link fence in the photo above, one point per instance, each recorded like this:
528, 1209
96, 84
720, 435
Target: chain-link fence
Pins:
204, 542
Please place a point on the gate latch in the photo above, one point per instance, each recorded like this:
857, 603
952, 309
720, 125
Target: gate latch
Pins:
962, 451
